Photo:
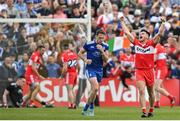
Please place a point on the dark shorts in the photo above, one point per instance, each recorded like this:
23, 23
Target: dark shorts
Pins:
94, 73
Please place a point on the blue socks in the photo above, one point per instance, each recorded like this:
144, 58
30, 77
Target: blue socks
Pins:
91, 106
86, 107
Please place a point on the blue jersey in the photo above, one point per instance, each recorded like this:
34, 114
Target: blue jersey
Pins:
95, 55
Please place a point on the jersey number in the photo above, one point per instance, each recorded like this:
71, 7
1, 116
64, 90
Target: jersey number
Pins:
72, 63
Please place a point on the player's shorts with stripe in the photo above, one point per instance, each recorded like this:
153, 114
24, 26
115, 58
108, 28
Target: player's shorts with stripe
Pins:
32, 79
94, 73
71, 78
161, 73
146, 75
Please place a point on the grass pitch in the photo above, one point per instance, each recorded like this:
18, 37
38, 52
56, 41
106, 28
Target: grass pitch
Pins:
102, 113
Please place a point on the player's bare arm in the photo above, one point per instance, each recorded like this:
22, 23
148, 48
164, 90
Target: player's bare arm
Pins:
81, 55
36, 71
104, 53
6, 92
160, 32
126, 30
78, 67
64, 69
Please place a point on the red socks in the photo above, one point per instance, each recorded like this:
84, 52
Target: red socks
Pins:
151, 110
170, 97
144, 110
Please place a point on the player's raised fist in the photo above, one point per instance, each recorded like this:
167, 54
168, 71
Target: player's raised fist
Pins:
99, 47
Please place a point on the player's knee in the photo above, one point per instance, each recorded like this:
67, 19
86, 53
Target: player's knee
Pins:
151, 97
142, 92
33, 97
69, 87
95, 89
157, 88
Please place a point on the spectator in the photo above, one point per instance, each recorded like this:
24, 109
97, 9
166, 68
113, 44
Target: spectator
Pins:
3, 5
31, 13
129, 19
176, 71
47, 52
3, 44
105, 16
12, 10
172, 44
21, 41
22, 65
52, 67
165, 8
116, 71
22, 8
126, 74
59, 13
127, 59
15, 92
4, 13
175, 29
137, 21
44, 10
8, 74
76, 12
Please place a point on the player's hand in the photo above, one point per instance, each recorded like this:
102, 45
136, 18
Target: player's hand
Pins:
99, 47
88, 61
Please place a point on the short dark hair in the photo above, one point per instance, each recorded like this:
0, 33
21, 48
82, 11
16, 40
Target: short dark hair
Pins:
127, 67
145, 30
65, 46
100, 31
40, 46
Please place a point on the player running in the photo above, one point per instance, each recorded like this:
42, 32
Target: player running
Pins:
144, 64
69, 71
97, 52
33, 78
161, 74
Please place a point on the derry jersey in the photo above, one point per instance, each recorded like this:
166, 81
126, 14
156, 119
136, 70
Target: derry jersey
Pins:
36, 59
71, 58
160, 56
144, 54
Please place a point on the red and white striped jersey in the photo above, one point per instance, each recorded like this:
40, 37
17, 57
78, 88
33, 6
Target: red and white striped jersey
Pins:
37, 60
160, 56
127, 60
144, 54
70, 57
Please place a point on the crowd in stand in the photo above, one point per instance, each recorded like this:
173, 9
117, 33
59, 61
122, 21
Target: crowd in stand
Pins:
43, 8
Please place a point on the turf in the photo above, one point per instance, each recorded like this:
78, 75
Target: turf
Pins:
107, 113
